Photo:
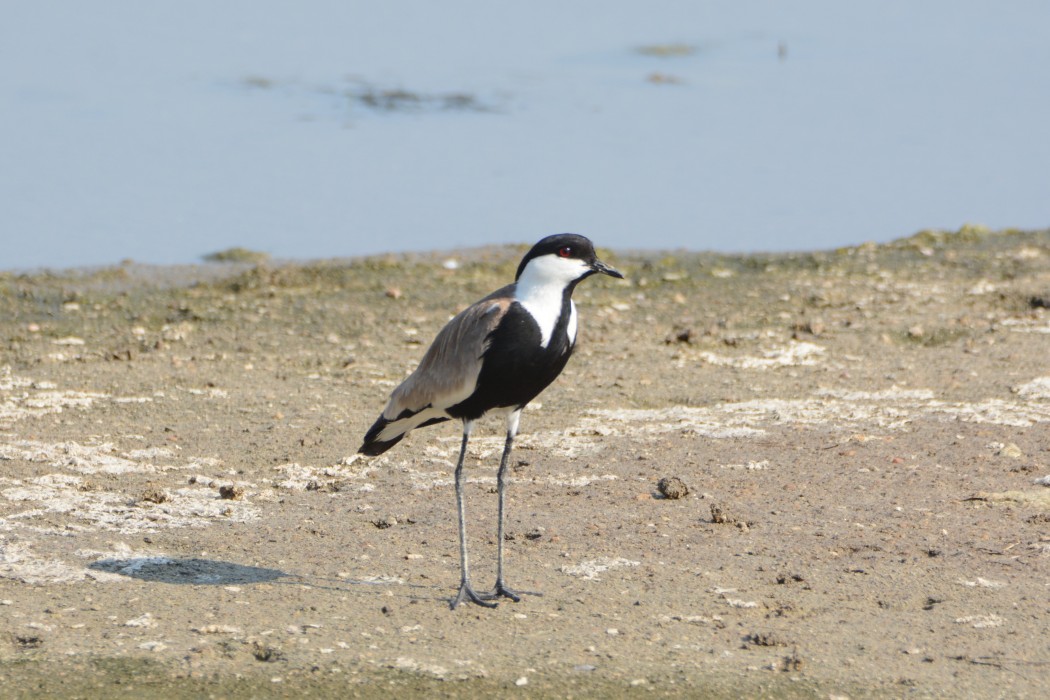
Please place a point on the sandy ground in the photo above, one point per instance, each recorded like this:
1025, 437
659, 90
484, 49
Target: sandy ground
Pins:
862, 433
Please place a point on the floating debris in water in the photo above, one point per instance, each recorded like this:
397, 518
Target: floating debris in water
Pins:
402, 100
672, 50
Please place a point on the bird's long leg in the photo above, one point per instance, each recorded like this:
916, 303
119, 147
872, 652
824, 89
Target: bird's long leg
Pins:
465, 591
500, 589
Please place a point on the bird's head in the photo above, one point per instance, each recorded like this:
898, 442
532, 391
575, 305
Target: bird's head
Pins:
565, 259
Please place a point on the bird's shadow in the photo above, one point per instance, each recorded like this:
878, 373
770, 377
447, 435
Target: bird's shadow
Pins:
210, 572
195, 572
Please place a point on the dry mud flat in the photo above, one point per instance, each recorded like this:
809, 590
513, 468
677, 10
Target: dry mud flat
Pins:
863, 435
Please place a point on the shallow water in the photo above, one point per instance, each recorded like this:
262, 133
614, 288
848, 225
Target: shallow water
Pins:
162, 132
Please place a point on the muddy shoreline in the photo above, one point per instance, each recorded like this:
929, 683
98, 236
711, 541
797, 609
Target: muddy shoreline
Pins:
862, 433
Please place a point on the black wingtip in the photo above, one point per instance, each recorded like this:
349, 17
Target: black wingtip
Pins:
372, 445
373, 448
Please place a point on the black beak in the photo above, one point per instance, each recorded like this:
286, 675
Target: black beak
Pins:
599, 266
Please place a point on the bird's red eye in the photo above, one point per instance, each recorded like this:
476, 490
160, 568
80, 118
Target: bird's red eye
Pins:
565, 252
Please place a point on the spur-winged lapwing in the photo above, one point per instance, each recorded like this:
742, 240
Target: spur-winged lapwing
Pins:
494, 357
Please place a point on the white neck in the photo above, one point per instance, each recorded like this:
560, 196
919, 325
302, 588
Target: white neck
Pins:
541, 287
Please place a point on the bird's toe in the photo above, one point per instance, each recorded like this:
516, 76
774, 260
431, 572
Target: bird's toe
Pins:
466, 593
500, 590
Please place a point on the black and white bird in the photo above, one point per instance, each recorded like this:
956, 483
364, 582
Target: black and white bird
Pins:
494, 357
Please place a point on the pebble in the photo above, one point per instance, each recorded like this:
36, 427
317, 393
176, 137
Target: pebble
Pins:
1011, 450
384, 523
230, 492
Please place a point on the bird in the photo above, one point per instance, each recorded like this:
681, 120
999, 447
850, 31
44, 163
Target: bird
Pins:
494, 357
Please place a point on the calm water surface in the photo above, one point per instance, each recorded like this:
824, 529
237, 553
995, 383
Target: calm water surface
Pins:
163, 131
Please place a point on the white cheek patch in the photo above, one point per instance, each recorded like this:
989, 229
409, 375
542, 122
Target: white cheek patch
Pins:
563, 269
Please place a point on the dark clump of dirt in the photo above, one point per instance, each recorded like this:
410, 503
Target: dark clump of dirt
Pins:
672, 488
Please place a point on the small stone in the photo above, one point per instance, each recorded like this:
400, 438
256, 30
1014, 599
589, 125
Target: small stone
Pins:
144, 620
720, 515
155, 496
765, 639
521, 681
1012, 451
792, 663
681, 335
230, 492
217, 629
815, 326
384, 523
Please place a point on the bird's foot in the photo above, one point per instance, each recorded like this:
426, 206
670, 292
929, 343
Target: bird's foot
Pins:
501, 591
466, 593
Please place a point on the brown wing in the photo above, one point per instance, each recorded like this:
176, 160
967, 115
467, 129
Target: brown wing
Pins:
448, 372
